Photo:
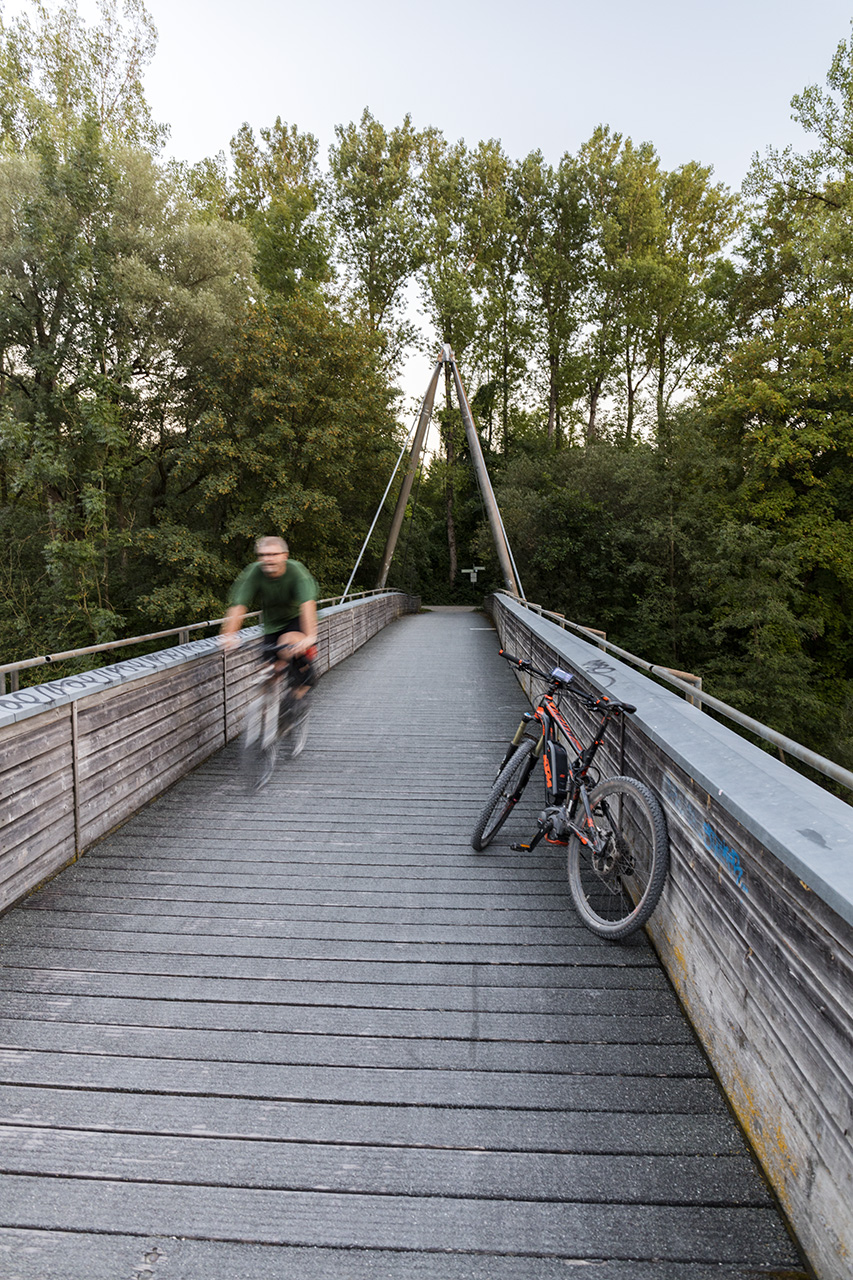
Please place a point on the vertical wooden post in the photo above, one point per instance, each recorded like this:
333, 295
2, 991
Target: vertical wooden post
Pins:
225, 697
75, 775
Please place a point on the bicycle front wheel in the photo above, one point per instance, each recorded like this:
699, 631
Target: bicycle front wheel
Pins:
258, 745
616, 889
504, 795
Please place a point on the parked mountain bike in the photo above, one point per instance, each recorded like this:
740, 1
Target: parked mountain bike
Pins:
614, 830
276, 720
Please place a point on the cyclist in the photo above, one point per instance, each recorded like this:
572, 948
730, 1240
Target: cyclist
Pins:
287, 595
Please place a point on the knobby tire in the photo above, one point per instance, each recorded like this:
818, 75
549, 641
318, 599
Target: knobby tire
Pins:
615, 895
504, 795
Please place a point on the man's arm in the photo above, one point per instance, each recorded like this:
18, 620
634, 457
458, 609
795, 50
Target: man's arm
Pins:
307, 625
231, 626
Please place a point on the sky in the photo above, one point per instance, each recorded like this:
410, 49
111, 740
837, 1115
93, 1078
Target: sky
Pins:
702, 82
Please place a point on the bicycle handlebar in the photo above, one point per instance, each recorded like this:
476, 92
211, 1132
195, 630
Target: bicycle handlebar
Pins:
561, 678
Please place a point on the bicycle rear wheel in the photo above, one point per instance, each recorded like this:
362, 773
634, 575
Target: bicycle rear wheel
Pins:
616, 890
504, 795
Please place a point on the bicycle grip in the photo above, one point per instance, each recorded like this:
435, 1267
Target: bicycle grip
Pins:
517, 662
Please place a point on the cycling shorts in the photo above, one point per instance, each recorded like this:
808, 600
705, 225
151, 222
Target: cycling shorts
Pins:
302, 663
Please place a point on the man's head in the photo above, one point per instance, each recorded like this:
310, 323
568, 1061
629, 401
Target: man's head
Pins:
272, 554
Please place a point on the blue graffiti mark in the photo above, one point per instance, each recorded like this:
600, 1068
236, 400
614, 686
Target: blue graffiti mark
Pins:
599, 668
710, 837
725, 854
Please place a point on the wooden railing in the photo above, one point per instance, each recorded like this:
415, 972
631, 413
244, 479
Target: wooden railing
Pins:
79, 755
755, 927
12, 670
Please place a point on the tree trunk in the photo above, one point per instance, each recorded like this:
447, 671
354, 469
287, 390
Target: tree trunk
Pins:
552, 400
591, 428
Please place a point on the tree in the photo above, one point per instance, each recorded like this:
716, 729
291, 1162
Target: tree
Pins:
111, 298
493, 233
112, 295
624, 191
555, 227
689, 325
372, 202
278, 194
58, 71
294, 436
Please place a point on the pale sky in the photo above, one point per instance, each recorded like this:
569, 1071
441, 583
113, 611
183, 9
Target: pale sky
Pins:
706, 82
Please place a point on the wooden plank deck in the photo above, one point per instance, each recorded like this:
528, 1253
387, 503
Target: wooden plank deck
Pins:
310, 1034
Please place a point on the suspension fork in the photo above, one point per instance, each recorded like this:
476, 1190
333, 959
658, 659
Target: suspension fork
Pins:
517, 737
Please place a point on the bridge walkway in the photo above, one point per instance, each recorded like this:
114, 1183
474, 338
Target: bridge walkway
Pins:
311, 1034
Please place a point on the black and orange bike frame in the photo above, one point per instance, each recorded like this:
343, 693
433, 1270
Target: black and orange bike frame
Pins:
565, 783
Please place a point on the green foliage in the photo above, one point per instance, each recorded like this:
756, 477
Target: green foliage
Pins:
294, 437
372, 201
111, 296
57, 70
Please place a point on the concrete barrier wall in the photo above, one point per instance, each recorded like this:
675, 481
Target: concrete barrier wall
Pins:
78, 756
755, 927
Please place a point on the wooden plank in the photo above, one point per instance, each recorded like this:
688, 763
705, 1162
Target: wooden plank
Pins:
33, 1255
118, 744
695, 1180
387, 1087
35, 789
402, 1023
744, 1235
100, 709
589, 1005
36, 858
335, 1003
367, 963
415, 1126
164, 707
246, 1043
101, 813
31, 738
766, 969
149, 760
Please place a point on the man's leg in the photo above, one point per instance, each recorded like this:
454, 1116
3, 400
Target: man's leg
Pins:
302, 664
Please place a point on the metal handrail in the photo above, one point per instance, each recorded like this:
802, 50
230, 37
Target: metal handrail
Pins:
183, 631
827, 767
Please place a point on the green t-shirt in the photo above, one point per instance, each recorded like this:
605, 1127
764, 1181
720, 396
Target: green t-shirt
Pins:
278, 598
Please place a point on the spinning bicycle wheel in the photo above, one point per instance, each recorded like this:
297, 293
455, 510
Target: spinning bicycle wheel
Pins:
259, 741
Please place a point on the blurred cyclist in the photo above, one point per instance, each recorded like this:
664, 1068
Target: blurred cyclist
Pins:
286, 594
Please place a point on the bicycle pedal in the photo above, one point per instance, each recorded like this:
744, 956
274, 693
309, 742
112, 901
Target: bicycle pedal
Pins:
520, 848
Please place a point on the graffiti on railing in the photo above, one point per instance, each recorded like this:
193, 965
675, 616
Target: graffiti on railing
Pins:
56, 692
601, 670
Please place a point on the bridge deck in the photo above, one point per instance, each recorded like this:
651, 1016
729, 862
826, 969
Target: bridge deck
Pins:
311, 1034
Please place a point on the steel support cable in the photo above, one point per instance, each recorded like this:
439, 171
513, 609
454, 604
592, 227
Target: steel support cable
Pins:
409, 437
408, 479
